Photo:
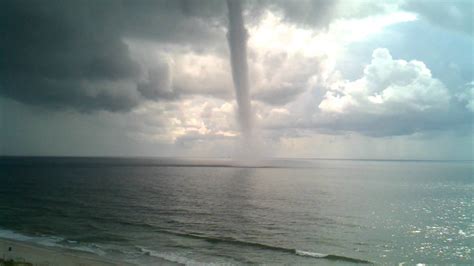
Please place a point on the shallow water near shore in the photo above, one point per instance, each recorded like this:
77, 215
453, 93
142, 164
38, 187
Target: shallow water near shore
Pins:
143, 210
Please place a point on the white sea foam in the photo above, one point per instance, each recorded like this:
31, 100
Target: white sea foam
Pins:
310, 254
8, 234
172, 257
93, 248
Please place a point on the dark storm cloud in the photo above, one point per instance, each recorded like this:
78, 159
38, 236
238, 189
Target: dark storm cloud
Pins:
74, 54
394, 125
196, 24
49, 49
454, 120
158, 77
71, 54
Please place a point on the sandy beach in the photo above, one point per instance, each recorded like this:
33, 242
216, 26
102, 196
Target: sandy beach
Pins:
49, 256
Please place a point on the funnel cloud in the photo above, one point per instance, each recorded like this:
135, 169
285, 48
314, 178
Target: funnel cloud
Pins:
237, 37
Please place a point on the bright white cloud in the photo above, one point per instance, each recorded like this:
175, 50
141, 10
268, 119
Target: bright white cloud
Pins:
467, 96
202, 74
287, 60
195, 117
389, 86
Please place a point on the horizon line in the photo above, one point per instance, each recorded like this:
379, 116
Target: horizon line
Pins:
226, 158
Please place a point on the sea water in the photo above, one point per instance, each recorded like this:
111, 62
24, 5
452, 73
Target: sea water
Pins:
298, 211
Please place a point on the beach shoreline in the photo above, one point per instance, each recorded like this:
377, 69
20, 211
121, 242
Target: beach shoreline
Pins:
20, 251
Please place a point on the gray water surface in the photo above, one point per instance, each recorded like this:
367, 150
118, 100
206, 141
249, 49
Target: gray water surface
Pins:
217, 211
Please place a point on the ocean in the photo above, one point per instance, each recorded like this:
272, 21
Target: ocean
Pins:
199, 211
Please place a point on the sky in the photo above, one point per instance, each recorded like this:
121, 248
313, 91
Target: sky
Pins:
327, 79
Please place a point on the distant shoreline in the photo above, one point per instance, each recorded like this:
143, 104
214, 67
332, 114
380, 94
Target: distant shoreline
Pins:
98, 161
224, 158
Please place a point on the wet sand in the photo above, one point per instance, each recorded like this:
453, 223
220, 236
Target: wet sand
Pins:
49, 256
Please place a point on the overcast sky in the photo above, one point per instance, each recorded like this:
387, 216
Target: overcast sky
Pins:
331, 79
